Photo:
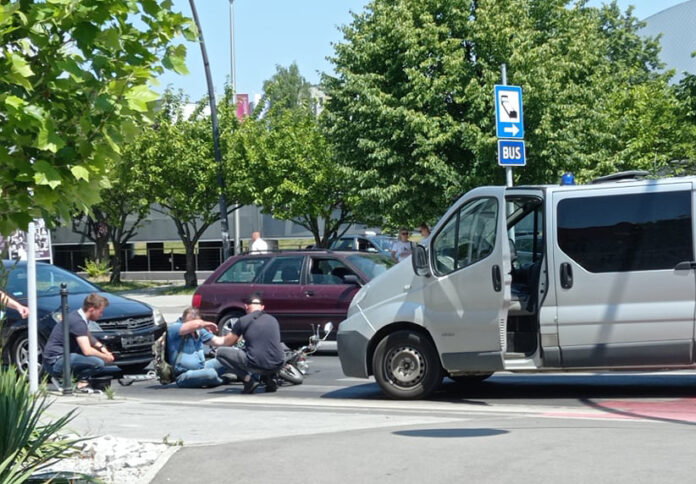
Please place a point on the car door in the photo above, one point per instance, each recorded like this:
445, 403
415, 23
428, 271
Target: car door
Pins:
282, 291
326, 292
468, 295
622, 299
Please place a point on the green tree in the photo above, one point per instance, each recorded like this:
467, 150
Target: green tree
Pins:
74, 77
124, 206
286, 89
411, 105
287, 164
176, 158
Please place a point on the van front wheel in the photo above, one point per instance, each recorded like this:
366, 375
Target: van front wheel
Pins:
406, 366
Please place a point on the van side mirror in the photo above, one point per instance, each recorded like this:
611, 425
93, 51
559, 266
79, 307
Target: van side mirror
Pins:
419, 259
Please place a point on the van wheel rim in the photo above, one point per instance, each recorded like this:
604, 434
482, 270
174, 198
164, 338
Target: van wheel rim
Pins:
405, 366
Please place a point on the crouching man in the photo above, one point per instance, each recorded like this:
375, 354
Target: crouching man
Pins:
262, 353
186, 351
88, 356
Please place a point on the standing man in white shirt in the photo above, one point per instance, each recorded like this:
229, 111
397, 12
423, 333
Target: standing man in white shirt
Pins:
401, 248
258, 245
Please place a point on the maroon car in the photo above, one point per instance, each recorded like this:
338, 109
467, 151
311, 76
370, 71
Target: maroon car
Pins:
299, 288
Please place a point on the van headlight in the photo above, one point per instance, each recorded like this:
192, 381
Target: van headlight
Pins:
158, 317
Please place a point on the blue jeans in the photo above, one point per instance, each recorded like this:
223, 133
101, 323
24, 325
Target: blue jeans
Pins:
205, 377
83, 367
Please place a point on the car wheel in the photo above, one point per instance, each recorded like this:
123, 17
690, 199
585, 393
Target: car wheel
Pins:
227, 321
406, 366
19, 354
134, 368
470, 379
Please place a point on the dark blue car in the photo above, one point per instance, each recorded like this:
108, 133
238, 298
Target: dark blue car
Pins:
128, 327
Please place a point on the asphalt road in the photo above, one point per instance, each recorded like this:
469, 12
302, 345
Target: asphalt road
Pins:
573, 428
325, 380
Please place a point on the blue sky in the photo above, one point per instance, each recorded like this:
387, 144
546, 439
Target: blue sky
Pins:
279, 32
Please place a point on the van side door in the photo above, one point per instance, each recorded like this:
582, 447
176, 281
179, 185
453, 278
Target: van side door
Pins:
468, 294
622, 298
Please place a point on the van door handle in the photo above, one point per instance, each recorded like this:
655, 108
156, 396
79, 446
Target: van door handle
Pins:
309, 293
497, 279
566, 276
685, 266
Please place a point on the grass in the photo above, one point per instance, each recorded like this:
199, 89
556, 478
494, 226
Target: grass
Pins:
159, 288
128, 285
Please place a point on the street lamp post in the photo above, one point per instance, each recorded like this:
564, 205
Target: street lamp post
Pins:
216, 138
233, 82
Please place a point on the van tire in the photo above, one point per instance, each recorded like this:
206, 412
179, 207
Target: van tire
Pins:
406, 366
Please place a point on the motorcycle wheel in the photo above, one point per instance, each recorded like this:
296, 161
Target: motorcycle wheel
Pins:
291, 374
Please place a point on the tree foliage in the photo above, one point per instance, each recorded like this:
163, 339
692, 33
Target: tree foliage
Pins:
74, 77
411, 105
288, 165
176, 158
287, 89
123, 207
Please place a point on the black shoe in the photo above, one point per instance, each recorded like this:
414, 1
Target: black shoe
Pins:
271, 385
250, 386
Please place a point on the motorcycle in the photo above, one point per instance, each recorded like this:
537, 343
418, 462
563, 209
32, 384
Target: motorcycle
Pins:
296, 365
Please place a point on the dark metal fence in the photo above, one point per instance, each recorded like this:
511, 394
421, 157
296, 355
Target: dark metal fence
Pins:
142, 260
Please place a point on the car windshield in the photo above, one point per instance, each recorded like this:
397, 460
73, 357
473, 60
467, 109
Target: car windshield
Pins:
48, 280
371, 265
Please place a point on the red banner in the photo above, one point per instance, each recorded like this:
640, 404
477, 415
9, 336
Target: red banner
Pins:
242, 106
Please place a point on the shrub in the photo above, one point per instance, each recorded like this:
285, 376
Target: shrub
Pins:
27, 444
96, 269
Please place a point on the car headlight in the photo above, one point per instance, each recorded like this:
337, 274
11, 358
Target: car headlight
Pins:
57, 316
94, 326
158, 317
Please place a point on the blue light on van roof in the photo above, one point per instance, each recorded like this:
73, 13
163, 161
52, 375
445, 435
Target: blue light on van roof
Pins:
568, 179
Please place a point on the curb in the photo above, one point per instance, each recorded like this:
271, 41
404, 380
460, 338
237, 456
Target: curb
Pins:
158, 464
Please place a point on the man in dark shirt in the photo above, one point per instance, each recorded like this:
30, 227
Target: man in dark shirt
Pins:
88, 356
262, 351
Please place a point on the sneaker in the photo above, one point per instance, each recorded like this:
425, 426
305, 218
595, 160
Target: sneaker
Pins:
57, 383
228, 378
250, 386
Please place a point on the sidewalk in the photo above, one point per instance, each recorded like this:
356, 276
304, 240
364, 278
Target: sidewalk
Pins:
170, 306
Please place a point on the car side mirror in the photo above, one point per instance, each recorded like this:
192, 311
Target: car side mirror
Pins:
419, 260
351, 279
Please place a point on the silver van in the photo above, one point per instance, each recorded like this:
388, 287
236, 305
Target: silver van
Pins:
534, 278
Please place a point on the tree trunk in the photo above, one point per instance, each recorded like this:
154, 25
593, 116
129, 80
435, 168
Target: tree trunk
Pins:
190, 275
116, 264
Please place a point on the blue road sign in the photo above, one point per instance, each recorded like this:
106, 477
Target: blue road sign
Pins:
509, 117
511, 153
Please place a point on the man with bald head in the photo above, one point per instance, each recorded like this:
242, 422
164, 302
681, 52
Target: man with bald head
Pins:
258, 245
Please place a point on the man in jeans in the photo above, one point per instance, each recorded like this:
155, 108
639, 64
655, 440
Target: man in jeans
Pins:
186, 353
88, 356
262, 353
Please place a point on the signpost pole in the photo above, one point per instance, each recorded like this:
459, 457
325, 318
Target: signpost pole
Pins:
32, 323
508, 169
